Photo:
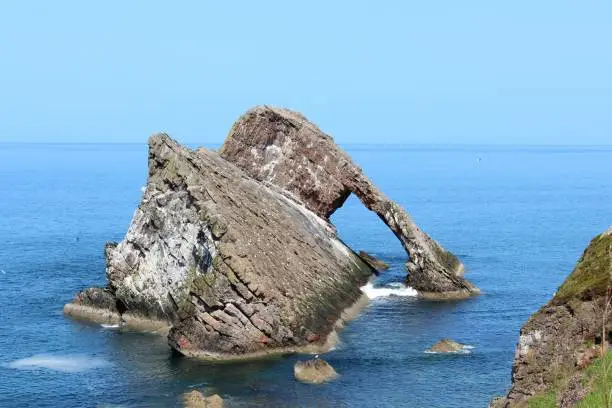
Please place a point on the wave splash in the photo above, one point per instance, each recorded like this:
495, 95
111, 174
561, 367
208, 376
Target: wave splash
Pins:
67, 364
465, 349
392, 289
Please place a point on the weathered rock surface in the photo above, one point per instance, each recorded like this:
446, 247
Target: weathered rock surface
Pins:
282, 147
447, 346
315, 371
195, 399
234, 266
374, 262
556, 342
233, 255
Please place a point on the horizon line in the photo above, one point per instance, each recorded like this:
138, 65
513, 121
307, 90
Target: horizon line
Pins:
32, 142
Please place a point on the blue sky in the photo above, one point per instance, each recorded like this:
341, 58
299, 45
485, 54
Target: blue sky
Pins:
427, 72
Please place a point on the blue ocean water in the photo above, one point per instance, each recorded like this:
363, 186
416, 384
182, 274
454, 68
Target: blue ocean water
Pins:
519, 218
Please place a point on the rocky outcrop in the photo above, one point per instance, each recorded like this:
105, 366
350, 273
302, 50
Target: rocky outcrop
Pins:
234, 259
447, 346
374, 262
195, 399
283, 148
233, 266
316, 371
96, 304
563, 337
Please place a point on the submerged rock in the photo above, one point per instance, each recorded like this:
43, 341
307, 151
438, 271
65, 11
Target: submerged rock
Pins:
195, 399
557, 341
235, 258
447, 346
374, 262
282, 147
314, 371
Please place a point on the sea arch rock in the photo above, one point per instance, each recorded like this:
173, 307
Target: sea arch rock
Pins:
283, 148
229, 266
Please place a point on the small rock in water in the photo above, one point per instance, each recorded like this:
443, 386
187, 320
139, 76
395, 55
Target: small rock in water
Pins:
315, 371
447, 346
374, 262
195, 399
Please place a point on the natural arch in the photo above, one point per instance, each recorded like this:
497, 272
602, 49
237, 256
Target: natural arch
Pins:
283, 148
361, 229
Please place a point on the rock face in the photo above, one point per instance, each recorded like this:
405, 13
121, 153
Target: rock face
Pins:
446, 346
283, 148
557, 341
233, 255
235, 267
314, 371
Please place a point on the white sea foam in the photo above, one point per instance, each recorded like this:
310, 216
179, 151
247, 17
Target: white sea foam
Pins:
110, 326
66, 363
465, 350
392, 289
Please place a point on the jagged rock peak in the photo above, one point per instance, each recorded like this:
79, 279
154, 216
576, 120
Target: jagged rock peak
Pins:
283, 148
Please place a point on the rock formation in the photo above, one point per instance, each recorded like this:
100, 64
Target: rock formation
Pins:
447, 346
232, 264
283, 148
374, 262
314, 371
195, 399
565, 335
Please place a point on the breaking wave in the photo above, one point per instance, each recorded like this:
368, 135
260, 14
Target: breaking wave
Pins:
67, 364
110, 326
392, 289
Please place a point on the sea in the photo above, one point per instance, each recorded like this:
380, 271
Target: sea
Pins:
519, 218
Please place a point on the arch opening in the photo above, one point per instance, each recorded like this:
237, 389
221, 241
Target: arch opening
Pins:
362, 229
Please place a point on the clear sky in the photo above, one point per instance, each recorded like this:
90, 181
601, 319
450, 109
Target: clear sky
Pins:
512, 72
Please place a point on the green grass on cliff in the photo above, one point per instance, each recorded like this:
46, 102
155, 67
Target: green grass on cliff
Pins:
548, 400
599, 377
592, 274
590, 280
598, 380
